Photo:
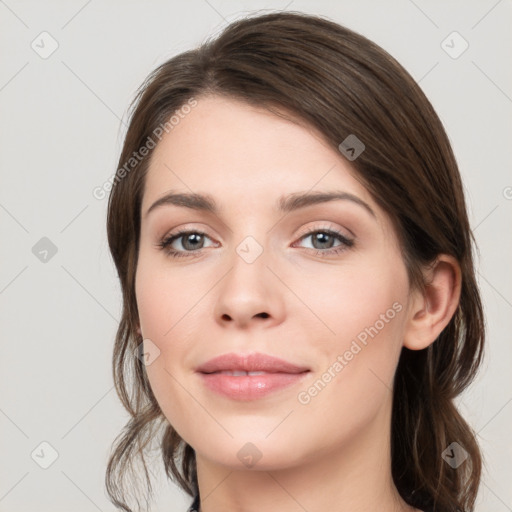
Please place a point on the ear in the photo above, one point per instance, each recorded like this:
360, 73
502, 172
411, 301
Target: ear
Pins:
431, 311
138, 330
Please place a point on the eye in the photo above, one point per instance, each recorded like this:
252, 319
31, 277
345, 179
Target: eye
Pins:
323, 241
190, 241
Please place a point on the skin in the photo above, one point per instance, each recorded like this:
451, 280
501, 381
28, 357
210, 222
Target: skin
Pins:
332, 453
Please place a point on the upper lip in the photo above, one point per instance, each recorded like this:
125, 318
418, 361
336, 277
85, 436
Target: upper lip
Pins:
249, 363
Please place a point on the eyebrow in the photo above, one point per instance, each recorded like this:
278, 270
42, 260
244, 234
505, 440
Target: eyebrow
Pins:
285, 204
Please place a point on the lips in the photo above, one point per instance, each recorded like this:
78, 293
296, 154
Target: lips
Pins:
247, 377
235, 364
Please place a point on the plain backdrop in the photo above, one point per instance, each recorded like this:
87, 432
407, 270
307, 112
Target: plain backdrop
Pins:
61, 127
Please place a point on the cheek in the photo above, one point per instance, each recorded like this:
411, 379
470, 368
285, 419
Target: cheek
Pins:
164, 297
164, 320
356, 297
170, 321
154, 300
365, 310
352, 386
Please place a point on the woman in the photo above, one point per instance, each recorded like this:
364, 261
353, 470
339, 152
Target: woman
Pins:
299, 298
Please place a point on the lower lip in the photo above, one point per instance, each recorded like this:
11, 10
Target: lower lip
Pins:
249, 387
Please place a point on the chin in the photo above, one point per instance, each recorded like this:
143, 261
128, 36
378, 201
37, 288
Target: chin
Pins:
254, 453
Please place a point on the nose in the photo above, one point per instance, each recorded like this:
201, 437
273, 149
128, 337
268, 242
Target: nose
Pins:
249, 294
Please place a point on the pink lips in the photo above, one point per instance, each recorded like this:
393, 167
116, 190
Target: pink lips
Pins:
278, 374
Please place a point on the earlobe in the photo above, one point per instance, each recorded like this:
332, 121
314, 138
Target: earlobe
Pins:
430, 312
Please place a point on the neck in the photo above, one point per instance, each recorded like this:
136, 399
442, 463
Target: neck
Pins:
353, 477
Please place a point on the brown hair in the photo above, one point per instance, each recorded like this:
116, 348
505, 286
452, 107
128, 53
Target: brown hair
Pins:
341, 83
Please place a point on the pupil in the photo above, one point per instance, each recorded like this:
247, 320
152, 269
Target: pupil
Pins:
321, 236
190, 239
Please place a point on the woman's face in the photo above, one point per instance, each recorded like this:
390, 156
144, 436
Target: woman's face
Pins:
321, 285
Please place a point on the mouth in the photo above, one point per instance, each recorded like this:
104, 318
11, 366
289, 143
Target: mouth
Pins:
249, 377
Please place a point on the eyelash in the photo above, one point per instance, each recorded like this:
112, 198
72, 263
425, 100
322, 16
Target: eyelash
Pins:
346, 243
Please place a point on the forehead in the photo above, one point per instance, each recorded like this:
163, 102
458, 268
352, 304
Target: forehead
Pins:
233, 150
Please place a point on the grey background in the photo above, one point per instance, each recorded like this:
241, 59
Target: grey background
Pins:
61, 127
